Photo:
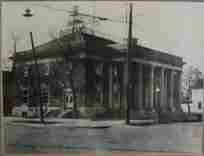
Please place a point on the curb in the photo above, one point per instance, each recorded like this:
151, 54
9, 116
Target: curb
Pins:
142, 122
92, 125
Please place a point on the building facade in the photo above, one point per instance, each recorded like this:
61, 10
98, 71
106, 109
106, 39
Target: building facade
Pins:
100, 77
8, 92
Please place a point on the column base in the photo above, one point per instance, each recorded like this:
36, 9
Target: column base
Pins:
164, 110
143, 115
153, 110
140, 110
167, 117
149, 109
173, 109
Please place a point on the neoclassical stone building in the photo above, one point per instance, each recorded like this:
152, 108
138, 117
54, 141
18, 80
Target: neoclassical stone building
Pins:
101, 75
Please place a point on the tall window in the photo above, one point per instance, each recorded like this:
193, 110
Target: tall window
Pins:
25, 96
47, 69
25, 73
44, 94
115, 70
199, 105
44, 69
99, 69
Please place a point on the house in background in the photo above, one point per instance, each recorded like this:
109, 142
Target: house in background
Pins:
190, 77
195, 106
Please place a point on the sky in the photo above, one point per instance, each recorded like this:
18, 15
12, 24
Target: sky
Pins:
172, 27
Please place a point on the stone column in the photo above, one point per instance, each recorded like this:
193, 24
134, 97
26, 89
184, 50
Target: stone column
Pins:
166, 88
140, 88
162, 89
152, 88
86, 99
121, 87
179, 101
134, 87
125, 87
110, 84
135, 96
172, 91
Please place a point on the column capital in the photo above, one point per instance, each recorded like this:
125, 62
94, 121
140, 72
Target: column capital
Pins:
179, 72
153, 66
140, 65
162, 69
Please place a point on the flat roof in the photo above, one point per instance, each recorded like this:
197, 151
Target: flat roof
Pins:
99, 47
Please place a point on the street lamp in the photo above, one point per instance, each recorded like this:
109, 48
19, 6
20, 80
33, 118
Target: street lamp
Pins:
28, 14
157, 102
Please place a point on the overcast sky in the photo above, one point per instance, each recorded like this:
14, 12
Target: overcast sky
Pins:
172, 27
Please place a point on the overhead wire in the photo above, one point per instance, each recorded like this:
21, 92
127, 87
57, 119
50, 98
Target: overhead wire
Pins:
86, 15
93, 16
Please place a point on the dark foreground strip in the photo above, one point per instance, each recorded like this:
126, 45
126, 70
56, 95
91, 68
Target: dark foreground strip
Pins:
26, 148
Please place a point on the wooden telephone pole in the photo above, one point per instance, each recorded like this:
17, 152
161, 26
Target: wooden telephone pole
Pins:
129, 81
37, 73
37, 87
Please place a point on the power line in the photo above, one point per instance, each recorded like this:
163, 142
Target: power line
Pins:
71, 12
92, 17
86, 15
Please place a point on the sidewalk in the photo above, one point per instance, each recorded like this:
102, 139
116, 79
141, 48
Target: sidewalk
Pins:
72, 123
76, 123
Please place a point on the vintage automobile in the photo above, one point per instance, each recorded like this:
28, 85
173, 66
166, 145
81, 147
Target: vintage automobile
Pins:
23, 111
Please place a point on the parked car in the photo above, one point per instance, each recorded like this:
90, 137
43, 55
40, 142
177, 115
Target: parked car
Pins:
68, 114
53, 113
22, 111
32, 112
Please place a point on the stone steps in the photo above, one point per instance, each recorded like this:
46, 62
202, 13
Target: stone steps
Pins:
155, 117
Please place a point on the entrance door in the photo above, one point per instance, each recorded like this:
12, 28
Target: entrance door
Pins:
68, 98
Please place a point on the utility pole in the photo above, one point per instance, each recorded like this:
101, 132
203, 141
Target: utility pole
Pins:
38, 79
129, 81
37, 73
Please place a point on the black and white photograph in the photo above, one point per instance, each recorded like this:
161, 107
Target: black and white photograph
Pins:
98, 77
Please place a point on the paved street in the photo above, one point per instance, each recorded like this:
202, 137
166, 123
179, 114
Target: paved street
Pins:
177, 137
108, 153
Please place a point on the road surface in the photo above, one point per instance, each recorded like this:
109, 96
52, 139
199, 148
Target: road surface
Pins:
177, 137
